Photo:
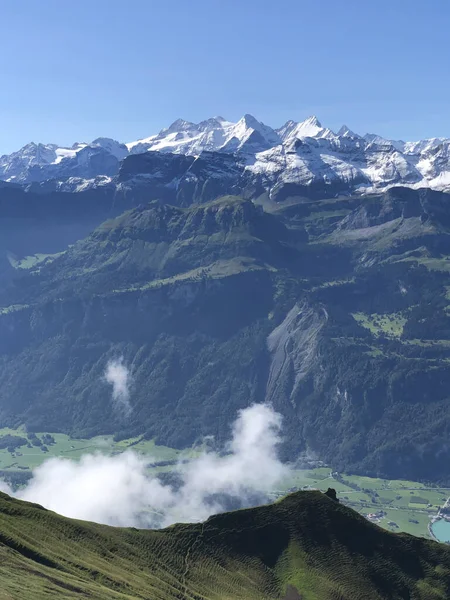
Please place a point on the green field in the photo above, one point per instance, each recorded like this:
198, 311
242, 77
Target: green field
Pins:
26, 458
389, 324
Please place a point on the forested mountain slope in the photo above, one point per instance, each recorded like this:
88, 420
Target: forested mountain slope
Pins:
336, 311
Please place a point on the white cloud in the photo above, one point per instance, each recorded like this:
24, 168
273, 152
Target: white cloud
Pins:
118, 375
6, 488
251, 467
98, 488
117, 490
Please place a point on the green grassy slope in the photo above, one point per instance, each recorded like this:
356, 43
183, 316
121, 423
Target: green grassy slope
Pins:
304, 547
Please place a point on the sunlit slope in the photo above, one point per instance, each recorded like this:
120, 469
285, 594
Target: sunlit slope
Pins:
306, 546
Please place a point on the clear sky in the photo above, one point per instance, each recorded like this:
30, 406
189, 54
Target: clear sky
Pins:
73, 70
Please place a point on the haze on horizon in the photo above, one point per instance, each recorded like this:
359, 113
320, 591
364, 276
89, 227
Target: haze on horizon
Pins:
82, 70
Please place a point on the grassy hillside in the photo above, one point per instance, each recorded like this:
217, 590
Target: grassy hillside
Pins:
306, 547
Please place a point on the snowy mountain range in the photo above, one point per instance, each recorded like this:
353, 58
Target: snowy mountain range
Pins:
304, 155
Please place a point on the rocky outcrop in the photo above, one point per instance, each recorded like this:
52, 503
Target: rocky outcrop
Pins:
293, 347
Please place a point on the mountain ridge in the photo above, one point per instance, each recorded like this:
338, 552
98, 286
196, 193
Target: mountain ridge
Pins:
304, 547
301, 154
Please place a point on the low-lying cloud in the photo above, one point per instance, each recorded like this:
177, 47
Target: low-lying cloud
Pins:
118, 375
118, 490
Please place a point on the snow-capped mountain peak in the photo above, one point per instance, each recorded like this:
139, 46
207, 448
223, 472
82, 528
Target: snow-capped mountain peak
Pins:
311, 121
298, 153
11, 165
250, 121
249, 134
112, 146
178, 126
213, 123
214, 134
346, 132
309, 128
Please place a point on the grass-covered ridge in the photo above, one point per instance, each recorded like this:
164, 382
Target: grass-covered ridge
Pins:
305, 546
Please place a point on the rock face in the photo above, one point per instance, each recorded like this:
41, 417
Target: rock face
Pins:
293, 347
179, 179
331, 493
335, 311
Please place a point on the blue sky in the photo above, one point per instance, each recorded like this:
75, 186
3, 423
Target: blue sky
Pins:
73, 71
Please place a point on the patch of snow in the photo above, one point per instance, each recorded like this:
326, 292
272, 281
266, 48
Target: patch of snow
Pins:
62, 153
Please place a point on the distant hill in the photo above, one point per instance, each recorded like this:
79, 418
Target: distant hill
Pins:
306, 547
